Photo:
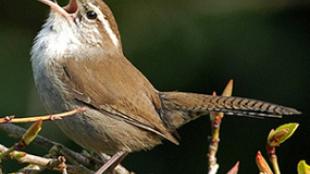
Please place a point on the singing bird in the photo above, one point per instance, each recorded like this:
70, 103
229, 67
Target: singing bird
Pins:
78, 61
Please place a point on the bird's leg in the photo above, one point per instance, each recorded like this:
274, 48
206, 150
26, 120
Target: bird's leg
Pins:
112, 163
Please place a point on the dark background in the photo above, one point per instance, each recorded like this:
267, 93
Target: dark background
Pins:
195, 46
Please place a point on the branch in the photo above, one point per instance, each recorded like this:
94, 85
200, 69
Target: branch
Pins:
80, 162
12, 119
23, 157
216, 120
70, 169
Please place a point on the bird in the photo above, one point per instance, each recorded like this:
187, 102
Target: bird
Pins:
78, 61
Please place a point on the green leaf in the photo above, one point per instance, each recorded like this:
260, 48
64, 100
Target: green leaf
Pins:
32, 132
281, 134
303, 167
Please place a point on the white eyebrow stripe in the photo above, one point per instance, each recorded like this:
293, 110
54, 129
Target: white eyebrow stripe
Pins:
106, 25
108, 28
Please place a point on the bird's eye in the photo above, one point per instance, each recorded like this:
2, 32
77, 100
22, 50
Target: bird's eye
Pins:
91, 15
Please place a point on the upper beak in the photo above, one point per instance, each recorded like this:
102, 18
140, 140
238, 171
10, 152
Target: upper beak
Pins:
68, 11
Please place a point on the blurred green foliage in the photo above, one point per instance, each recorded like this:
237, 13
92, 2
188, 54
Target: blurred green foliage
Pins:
188, 46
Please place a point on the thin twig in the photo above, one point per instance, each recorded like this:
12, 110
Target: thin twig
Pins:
16, 132
273, 159
10, 119
38, 164
71, 169
81, 163
216, 120
275, 164
23, 157
31, 169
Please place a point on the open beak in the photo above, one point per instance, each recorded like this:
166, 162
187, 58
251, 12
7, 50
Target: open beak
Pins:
68, 11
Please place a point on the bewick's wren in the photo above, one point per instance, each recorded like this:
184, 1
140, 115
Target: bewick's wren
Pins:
77, 60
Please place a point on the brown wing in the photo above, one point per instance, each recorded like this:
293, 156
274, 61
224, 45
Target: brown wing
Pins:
115, 86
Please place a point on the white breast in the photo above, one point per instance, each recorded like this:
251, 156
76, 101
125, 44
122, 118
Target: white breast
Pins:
55, 40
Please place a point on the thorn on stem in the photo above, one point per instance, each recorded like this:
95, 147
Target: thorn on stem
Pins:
54, 117
9, 118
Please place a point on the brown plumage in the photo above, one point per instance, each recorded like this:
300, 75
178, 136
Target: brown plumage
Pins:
180, 107
78, 61
130, 97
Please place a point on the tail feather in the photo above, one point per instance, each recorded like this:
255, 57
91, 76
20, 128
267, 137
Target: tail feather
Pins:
180, 108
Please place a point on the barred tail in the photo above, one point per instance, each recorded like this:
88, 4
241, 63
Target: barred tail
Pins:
180, 108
